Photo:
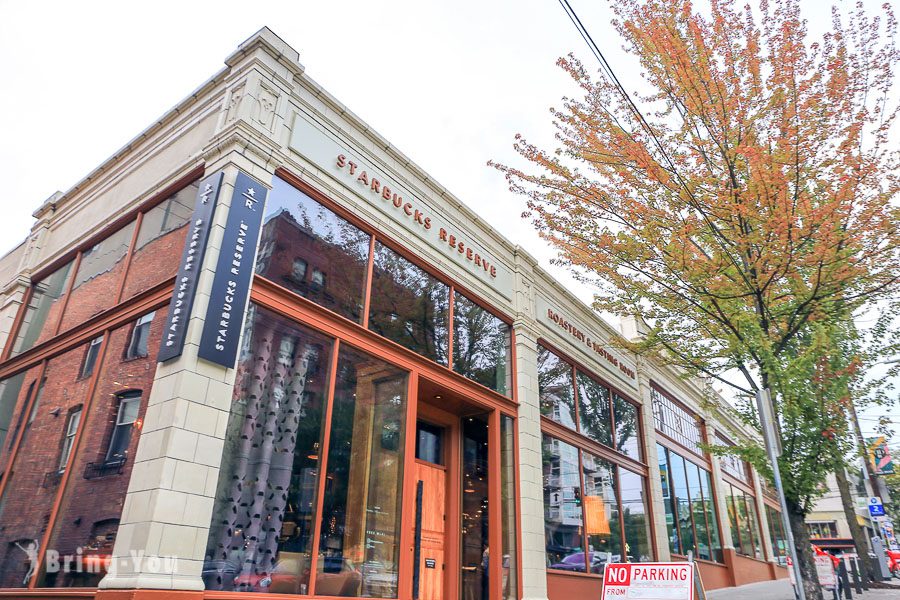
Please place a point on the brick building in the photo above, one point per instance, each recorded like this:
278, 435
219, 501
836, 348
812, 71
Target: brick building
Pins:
376, 392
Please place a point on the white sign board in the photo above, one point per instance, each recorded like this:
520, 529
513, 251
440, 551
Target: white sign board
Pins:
648, 581
825, 571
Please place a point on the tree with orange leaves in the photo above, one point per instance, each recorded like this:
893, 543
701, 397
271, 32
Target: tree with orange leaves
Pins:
746, 211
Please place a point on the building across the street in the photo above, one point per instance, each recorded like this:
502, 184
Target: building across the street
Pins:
259, 350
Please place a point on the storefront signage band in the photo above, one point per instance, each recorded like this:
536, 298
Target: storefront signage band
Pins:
415, 214
189, 268
552, 317
234, 272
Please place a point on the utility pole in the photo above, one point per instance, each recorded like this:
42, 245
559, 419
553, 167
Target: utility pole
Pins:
773, 449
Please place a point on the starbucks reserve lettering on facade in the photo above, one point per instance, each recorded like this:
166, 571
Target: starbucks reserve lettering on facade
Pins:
453, 241
418, 214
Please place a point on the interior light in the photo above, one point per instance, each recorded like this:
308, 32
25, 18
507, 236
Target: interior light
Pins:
437, 396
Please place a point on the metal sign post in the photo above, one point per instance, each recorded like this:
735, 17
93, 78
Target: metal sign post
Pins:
767, 423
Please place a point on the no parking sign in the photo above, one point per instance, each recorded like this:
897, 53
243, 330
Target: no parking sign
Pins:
648, 581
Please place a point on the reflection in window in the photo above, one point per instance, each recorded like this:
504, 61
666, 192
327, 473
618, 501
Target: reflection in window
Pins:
555, 388
261, 532
140, 335
44, 295
481, 345
601, 512
627, 422
634, 517
690, 516
104, 255
776, 533
508, 507
744, 522
126, 416
335, 253
9, 396
359, 548
167, 216
563, 517
72, 422
593, 410
408, 305
674, 421
90, 357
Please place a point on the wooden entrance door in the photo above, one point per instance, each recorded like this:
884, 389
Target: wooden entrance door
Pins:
432, 532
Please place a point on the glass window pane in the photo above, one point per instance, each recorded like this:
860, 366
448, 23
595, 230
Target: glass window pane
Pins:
635, 507
715, 541
260, 535
665, 477
98, 277
753, 519
160, 241
682, 503
733, 519
697, 511
593, 409
601, 512
481, 345
360, 535
555, 388
510, 579
475, 557
430, 443
627, 425
408, 305
563, 520
43, 309
740, 505
297, 228
10, 393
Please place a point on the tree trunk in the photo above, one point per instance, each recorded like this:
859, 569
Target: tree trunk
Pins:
859, 538
805, 555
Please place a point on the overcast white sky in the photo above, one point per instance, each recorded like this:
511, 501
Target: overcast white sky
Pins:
449, 83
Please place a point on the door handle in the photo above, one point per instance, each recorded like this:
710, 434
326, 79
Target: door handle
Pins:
469, 568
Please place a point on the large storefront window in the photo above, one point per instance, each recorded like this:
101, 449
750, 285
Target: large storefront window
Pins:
313, 252
690, 514
481, 345
590, 507
593, 407
675, 422
359, 548
776, 534
744, 521
508, 496
409, 306
601, 511
261, 532
598, 405
563, 514
265, 516
555, 385
635, 519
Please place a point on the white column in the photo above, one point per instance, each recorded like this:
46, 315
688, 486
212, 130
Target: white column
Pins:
531, 486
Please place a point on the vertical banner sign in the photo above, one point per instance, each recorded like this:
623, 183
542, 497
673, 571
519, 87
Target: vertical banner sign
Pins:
648, 581
234, 272
189, 268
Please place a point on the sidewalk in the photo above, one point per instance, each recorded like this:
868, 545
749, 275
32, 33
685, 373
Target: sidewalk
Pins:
781, 590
